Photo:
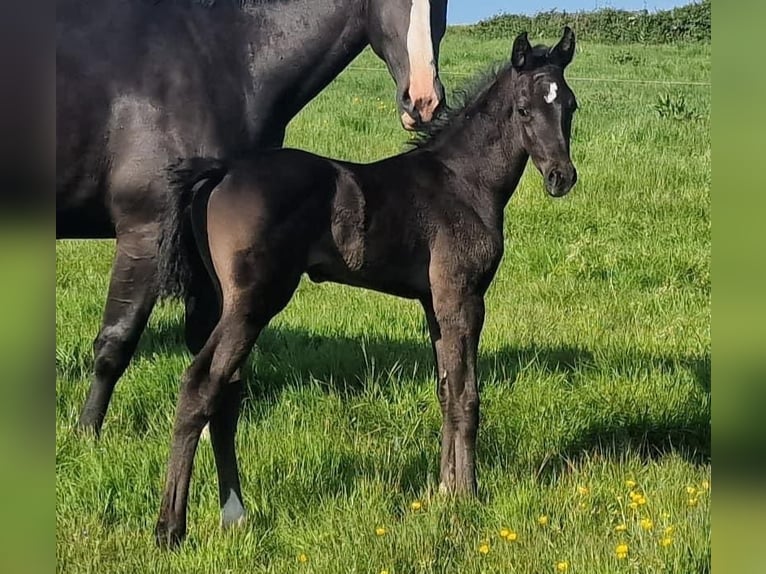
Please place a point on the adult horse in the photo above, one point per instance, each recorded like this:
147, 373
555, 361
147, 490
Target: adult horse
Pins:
142, 82
426, 225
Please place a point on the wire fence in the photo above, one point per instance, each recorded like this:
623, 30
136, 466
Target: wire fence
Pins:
573, 78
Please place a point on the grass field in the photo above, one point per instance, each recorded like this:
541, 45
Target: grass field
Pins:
595, 370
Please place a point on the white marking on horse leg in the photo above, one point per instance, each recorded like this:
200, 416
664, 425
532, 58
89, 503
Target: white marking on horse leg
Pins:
205, 435
420, 52
233, 512
553, 89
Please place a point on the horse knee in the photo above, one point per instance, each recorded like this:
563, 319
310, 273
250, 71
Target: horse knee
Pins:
112, 350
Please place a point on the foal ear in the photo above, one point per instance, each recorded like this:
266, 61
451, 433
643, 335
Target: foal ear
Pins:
520, 51
563, 52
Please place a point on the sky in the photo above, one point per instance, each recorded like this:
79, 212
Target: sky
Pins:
469, 11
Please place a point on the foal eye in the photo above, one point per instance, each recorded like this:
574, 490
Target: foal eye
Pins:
523, 112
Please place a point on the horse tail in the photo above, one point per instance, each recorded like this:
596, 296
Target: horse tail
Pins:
179, 259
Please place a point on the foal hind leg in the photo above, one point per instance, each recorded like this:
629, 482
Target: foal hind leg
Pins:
202, 314
131, 298
202, 309
201, 392
207, 395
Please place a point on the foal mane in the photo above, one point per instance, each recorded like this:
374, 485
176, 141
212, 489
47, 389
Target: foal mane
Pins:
471, 96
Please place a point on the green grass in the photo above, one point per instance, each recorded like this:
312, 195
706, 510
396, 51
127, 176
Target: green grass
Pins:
595, 369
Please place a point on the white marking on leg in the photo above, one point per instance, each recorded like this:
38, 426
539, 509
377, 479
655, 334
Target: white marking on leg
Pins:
205, 434
232, 513
553, 89
420, 52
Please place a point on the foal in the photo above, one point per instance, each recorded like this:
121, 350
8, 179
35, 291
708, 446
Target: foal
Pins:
426, 225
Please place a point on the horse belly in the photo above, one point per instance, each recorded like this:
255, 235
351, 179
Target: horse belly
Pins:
400, 277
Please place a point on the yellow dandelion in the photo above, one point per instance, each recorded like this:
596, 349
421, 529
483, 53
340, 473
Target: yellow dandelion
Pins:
416, 505
705, 485
621, 528
691, 490
669, 530
583, 490
484, 548
630, 483
666, 541
512, 536
693, 501
621, 551
543, 520
641, 500
504, 532
562, 566
634, 496
380, 531
633, 505
647, 524
302, 558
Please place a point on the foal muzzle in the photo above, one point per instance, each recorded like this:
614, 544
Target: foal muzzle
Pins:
560, 180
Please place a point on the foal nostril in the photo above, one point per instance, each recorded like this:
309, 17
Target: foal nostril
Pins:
554, 178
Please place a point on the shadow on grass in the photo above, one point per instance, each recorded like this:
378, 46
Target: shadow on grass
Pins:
652, 440
346, 365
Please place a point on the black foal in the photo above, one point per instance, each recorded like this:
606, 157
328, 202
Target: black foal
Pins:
426, 224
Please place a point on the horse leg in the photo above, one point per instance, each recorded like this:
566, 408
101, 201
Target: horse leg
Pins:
201, 317
200, 397
131, 298
202, 308
208, 395
447, 474
459, 319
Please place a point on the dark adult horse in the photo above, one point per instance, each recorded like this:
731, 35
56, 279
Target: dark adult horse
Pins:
143, 82
426, 224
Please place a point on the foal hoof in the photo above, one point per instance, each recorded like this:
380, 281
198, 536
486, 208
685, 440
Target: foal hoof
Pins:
168, 537
233, 513
89, 425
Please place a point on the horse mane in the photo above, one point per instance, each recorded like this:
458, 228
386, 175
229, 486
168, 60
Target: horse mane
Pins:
471, 96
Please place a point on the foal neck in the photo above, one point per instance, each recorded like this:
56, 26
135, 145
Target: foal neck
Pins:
488, 162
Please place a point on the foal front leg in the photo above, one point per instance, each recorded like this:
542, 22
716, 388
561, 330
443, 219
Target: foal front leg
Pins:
447, 466
459, 319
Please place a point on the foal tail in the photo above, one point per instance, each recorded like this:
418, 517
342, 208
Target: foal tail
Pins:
182, 231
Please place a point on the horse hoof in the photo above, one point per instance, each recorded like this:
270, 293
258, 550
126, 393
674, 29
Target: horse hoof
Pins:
89, 426
168, 537
233, 513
